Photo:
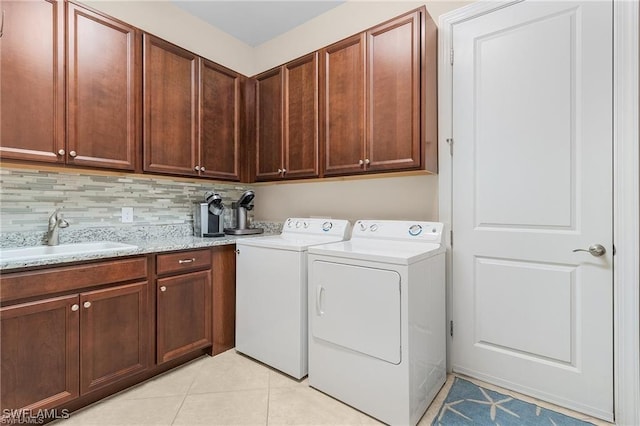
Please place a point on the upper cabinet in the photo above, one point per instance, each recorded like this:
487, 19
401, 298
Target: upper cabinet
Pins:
269, 125
219, 121
287, 121
170, 108
342, 94
191, 113
372, 99
102, 92
32, 84
393, 95
366, 104
88, 90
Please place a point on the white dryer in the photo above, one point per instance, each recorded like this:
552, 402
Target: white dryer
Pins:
271, 292
377, 338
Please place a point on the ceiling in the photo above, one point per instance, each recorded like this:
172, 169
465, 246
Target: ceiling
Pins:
255, 22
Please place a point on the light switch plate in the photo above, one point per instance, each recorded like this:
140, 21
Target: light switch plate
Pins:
127, 214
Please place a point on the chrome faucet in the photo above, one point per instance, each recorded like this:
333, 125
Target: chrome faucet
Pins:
56, 221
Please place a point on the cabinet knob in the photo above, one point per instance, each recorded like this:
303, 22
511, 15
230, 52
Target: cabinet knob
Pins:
87, 304
196, 168
284, 171
360, 162
366, 161
202, 169
279, 171
163, 288
61, 152
73, 154
75, 307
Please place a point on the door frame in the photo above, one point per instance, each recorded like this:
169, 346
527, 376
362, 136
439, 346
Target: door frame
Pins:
626, 187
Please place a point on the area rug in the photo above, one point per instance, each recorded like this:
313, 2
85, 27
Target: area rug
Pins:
469, 404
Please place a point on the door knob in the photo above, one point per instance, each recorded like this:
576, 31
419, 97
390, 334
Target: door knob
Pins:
73, 154
596, 250
163, 288
61, 152
87, 304
75, 307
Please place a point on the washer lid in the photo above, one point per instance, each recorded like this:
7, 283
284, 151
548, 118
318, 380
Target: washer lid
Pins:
384, 251
284, 242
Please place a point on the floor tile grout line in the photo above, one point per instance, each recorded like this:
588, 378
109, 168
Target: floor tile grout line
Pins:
268, 397
184, 397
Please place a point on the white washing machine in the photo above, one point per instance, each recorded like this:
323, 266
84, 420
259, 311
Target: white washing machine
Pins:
377, 332
271, 292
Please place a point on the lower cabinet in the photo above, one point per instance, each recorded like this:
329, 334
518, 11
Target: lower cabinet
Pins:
184, 302
39, 356
70, 335
114, 335
183, 314
57, 349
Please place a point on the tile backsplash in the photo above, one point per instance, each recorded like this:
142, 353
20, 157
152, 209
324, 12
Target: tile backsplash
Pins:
29, 196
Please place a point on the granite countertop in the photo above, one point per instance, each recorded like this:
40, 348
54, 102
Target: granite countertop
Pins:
144, 246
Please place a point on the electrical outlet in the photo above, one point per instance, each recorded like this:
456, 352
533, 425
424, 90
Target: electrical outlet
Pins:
127, 214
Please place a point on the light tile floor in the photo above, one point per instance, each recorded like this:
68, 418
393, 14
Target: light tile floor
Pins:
231, 389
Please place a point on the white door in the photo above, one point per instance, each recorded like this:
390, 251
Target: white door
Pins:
532, 179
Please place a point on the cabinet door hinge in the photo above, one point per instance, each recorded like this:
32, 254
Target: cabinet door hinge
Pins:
451, 328
451, 56
450, 142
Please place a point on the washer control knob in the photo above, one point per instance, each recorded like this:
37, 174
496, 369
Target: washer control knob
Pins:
306, 224
415, 230
363, 227
326, 227
373, 228
298, 224
289, 223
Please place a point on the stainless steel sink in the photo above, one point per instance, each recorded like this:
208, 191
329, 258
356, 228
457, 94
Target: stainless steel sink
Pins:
43, 252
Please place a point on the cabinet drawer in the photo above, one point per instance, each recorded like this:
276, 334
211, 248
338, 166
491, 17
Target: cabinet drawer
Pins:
183, 261
57, 280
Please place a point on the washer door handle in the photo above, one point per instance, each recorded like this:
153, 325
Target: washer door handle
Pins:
319, 292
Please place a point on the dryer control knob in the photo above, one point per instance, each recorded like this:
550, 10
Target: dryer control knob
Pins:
289, 223
363, 227
306, 224
415, 230
373, 228
326, 227
298, 224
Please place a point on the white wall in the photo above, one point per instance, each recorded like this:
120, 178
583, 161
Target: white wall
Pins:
410, 197
343, 21
406, 197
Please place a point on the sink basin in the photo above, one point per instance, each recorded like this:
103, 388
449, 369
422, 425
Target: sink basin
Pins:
44, 252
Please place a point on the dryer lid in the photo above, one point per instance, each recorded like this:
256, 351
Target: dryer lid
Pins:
384, 251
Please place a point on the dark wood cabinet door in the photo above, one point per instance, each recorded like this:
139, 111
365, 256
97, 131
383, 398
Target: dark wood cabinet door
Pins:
183, 314
393, 84
219, 121
39, 354
301, 117
104, 70
342, 107
269, 125
114, 334
170, 108
32, 104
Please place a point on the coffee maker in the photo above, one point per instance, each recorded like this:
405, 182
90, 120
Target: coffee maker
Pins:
208, 220
241, 207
